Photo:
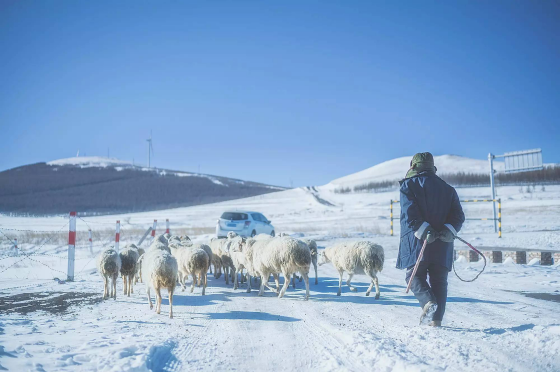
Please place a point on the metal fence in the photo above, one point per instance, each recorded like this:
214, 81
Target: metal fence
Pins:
499, 217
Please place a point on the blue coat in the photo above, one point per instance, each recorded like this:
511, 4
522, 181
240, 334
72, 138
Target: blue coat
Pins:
427, 198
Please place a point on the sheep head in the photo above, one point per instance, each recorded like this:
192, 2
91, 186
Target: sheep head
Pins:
324, 258
240, 245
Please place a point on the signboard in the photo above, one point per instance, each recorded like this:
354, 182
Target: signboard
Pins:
523, 161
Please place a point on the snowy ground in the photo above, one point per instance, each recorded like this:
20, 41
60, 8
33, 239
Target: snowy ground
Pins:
489, 324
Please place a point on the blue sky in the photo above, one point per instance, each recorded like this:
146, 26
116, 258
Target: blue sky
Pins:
277, 91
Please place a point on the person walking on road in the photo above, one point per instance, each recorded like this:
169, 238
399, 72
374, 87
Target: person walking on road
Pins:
431, 211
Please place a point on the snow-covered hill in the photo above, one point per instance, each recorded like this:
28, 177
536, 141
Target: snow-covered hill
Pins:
91, 161
108, 185
396, 169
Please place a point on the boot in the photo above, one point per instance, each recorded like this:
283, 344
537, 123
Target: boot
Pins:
428, 312
435, 323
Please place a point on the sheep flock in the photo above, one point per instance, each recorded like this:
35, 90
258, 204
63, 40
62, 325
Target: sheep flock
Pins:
172, 260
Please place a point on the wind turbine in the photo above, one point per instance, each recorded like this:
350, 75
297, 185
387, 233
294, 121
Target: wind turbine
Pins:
150, 149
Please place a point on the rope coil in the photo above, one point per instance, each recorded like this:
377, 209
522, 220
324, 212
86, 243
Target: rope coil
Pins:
477, 251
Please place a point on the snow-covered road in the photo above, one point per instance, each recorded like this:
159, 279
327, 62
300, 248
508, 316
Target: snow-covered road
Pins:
488, 326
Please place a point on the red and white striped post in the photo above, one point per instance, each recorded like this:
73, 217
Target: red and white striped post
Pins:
154, 229
117, 236
90, 243
167, 226
71, 246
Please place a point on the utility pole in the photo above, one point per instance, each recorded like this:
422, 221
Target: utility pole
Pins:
491, 160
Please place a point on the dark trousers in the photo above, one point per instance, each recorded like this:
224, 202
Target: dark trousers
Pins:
435, 291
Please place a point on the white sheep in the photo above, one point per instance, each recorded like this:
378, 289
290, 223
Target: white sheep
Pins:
159, 270
219, 249
192, 260
312, 244
313, 249
162, 239
158, 245
129, 260
361, 257
281, 255
138, 275
109, 265
208, 251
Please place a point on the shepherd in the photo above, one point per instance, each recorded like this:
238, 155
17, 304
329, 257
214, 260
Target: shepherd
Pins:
431, 212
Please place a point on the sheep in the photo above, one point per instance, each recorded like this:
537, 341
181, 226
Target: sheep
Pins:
162, 239
174, 239
281, 255
159, 270
361, 257
109, 265
192, 260
208, 251
158, 245
218, 249
138, 275
129, 258
313, 248
232, 240
235, 251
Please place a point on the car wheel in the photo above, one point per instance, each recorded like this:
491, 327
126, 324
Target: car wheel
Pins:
272, 233
253, 234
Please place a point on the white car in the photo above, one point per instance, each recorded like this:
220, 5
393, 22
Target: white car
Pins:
243, 223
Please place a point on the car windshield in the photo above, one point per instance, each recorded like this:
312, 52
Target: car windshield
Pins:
234, 216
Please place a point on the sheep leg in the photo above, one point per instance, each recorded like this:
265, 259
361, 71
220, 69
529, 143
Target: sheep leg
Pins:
124, 284
287, 277
105, 287
115, 287
306, 279
193, 282
181, 278
315, 265
377, 292
339, 283
204, 283
263, 281
235, 284
158, 299
353, 289
248, 282
294, 281
277, 281
149, 297
170, 291
130, 284
226, 274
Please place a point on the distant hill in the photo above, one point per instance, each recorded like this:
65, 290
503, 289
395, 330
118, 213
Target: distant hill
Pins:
102, 185
396, 169
456, 170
